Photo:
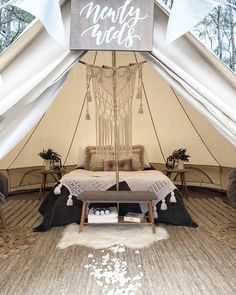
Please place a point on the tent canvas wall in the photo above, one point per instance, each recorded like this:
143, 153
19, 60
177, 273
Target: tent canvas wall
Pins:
44, 90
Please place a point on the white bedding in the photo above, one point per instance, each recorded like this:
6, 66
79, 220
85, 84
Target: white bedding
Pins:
155, 181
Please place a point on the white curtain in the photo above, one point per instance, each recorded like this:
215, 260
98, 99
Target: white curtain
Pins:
23, 116
31, 82
221, 115
195, 77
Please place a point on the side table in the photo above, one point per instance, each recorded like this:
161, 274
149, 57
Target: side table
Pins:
181, 173
57, 174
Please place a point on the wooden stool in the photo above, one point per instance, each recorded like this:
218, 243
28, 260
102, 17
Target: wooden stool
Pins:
57, 175
118, 197
181, 173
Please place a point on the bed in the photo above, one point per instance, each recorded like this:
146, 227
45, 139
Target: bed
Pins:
61, 206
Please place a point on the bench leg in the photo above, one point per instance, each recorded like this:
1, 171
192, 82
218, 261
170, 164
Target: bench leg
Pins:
151, 216
83, 216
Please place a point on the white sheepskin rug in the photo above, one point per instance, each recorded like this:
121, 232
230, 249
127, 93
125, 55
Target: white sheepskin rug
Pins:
104, 236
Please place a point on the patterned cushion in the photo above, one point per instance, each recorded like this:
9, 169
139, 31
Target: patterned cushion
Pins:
137, 158
109, 165
96, 163
136, 163
124, 165
89, 151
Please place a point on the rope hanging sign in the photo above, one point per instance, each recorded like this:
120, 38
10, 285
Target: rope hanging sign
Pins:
112, 25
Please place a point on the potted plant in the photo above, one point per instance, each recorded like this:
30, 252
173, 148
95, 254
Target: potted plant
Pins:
52, 159
170, 162
181, 156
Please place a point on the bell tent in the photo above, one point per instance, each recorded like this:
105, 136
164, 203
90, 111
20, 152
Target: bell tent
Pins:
189, 101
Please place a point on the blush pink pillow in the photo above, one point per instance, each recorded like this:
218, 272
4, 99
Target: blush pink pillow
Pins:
109, 165
124, 165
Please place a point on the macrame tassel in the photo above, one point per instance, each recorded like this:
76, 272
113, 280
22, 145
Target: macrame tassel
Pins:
163, 205
139, 92
57, 190
88, 79
173, 198
89, 97
140, 111
140, 80
155, 212
87, 116
69, 201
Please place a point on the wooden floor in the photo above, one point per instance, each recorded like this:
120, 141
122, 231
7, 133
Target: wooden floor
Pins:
190, 262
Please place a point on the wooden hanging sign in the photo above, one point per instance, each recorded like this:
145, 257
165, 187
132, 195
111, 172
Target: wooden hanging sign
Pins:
112, 25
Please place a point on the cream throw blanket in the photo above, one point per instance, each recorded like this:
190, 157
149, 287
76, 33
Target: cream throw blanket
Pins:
79, 180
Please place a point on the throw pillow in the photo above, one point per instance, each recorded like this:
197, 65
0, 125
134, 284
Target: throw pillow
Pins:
124, 165
136, 163
88, 154
81, 158
140, 150
109, 165
96, 163
146, 161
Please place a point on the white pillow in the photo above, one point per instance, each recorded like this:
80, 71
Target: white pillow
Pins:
145, 157
81, 158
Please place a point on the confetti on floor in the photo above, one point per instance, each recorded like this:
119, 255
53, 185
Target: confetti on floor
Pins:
111, 273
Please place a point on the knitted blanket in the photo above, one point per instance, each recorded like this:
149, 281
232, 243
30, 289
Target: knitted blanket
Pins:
80, 180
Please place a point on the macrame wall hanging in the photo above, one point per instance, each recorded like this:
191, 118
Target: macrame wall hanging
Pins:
113, 90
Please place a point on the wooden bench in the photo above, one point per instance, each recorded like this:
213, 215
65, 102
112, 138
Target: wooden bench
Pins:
117, 197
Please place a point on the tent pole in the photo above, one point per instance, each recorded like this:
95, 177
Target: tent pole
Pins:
116, 139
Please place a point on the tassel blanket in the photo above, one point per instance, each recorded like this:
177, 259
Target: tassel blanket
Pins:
80, 180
